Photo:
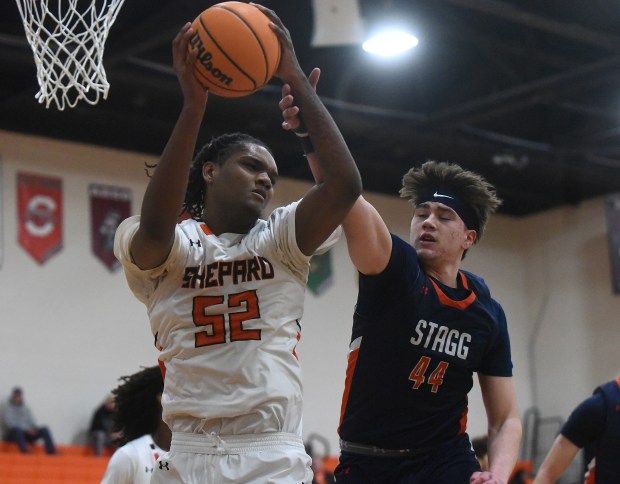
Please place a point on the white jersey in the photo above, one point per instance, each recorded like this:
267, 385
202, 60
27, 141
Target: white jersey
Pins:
225, 314
133, 463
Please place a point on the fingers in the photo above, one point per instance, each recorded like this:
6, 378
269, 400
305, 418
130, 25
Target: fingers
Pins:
291, 120
286, 89
184, 56
184, 35
289, 111
180, 43
269, 13
286, 102
181, 32
276, 25
314, 76
484, 478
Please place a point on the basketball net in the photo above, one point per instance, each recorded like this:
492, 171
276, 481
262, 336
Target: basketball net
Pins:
68, 48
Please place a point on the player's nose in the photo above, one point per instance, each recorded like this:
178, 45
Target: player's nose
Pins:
264, 180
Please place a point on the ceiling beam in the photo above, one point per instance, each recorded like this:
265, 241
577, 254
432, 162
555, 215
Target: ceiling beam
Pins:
514, 14
458, 114
144, 35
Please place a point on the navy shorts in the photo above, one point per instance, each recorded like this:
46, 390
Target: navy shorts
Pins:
450, 463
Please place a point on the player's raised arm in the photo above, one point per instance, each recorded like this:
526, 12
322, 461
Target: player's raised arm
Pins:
165, 192
368, 238
326, 204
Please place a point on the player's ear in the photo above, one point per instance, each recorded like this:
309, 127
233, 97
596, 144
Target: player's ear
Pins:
470, 238
208, 169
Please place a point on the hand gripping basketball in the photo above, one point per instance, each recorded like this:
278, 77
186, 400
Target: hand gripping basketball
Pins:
237, 50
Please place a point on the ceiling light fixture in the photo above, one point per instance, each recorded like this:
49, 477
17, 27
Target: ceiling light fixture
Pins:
389, 34
390, 42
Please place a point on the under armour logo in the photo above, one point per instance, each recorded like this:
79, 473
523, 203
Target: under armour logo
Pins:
191, 243
163, 464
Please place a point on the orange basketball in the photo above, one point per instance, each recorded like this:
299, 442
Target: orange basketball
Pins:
237, 50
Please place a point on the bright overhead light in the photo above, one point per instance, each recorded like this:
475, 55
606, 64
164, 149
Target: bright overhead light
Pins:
390, 43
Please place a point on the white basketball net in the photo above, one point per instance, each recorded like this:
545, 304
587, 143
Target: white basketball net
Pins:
68, 47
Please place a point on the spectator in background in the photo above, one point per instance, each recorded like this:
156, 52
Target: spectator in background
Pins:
594, 426
321, 475
101, 432
21, 426
138, 419
521, 472
480, 446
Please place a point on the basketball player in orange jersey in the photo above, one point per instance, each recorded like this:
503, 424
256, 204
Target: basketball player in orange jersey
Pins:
224, 289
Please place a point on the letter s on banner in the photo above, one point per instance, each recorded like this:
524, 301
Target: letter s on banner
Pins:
39, 215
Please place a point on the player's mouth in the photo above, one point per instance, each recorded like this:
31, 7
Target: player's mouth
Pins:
260, 193
426, 239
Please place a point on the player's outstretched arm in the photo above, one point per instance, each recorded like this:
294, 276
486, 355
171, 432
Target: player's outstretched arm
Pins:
324, 207
292, 122
561, 454
500, 402
164, 195
368, 238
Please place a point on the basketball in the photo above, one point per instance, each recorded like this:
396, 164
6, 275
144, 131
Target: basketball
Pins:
238, 52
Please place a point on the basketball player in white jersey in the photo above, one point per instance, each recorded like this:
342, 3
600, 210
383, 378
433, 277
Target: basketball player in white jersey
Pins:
224, 289
138, 417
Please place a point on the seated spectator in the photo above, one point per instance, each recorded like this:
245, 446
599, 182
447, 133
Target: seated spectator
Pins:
101, 425
21, 427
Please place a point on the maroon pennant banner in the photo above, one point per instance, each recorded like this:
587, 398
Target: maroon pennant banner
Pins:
109, 206
39, 213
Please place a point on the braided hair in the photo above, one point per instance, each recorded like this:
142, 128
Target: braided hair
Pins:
217, 150
138, 411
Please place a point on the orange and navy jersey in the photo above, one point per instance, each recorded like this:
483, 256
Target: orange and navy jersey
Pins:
414, 348
594, 425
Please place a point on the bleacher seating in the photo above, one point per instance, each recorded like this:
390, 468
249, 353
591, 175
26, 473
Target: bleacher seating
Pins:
75, 464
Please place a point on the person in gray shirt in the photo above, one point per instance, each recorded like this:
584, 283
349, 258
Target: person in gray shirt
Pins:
21, 427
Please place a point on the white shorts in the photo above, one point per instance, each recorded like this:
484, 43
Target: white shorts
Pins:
273, 458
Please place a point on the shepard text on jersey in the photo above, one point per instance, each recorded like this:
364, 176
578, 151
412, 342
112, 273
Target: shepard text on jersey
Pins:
220, 273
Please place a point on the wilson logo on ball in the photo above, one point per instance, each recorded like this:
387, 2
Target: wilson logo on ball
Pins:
205, 58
